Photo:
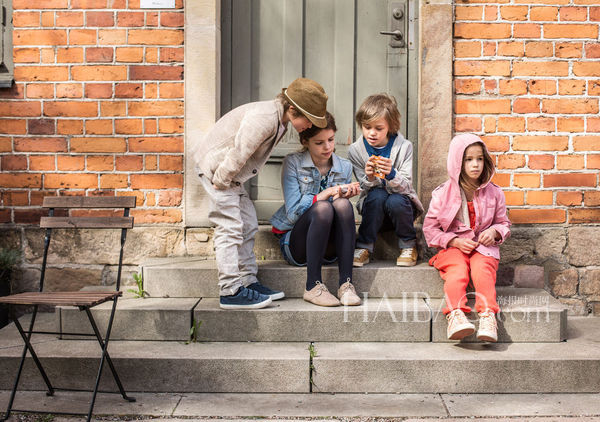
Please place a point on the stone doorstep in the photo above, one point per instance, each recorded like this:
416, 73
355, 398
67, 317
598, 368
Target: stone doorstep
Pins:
135, 319
528, 315
197, 277
572, 366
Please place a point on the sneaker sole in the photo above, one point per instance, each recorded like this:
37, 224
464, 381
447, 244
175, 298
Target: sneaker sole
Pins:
277, 296
359, 264
253, 306
406, 264
487, 338
460, 334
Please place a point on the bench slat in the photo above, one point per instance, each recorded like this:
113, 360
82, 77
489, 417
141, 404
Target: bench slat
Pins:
60, 298
89, 202
86, 222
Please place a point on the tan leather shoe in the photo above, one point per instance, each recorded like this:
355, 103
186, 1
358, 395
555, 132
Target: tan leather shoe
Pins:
319, 295
407, 258
361, 257
347, 295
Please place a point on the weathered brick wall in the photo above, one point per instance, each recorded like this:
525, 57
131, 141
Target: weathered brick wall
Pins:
97, 108
527, 77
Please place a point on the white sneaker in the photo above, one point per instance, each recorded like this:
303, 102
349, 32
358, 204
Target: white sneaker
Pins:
488, 327
458, 325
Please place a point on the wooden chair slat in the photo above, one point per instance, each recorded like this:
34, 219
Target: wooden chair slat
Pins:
86, 222
60, 298
89, 202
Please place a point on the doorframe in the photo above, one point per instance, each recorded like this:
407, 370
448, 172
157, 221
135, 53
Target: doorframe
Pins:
202, 94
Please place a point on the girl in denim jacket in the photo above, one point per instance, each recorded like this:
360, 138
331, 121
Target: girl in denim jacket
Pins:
316, 223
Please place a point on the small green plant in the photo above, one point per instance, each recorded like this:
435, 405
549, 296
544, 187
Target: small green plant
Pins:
313, 353
8, 260
139, 282
194, 331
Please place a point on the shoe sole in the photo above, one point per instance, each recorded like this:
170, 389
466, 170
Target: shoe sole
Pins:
359, 264
253, 306
318, 304
406, 264
460, 334
277, 296
486, 338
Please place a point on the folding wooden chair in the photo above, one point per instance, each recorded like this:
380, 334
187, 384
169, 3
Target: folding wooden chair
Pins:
83, 300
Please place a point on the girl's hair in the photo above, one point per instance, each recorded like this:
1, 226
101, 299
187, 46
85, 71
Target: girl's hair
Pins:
286, 105
486, 174
379, 106
305, 135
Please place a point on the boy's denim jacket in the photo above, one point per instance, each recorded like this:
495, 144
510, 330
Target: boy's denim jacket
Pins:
300, 180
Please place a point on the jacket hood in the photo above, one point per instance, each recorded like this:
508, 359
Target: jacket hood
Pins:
450, 191
458, 145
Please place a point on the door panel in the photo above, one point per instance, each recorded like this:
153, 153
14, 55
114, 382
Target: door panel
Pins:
269, 43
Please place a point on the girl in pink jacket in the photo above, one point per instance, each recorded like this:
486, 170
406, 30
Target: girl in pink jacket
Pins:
467, 222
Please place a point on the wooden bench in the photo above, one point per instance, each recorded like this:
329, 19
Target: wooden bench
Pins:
83, 300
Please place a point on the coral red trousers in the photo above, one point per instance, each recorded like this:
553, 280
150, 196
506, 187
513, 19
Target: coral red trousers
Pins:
455, 267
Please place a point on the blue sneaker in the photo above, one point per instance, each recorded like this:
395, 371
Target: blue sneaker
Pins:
245, 299
264, 290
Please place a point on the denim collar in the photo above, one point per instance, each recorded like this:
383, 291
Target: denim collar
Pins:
307, 162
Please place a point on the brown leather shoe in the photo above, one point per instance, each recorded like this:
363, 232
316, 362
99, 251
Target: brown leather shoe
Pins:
407, 258
319, 295
361, 257
347, 295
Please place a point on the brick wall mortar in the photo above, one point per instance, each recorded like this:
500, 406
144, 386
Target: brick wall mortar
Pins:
98, 102
531, 90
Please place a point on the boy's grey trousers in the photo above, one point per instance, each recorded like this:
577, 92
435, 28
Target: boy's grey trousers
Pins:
234, 217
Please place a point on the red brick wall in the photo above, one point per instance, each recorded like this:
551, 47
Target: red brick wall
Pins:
527, 77
97, 108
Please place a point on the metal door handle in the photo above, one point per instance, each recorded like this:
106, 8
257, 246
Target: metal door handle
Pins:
396, 34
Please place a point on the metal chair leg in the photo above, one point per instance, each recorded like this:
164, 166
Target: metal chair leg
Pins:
105, 357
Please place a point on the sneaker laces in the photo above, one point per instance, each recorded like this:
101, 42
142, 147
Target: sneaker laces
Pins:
347, 285
406, 253
457, 317
321, 287
487, 321
358, 253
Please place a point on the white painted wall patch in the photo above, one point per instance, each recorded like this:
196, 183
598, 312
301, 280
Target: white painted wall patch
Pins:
157, 4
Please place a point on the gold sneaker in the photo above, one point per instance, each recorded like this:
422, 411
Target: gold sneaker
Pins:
319, 295
488, 327
458, 325
361, 257
407, 258
347, 294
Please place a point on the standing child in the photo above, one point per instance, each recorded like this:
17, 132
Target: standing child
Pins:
232, 152
382, 162
467, 221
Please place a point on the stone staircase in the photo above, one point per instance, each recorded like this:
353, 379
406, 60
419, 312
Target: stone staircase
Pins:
394, 342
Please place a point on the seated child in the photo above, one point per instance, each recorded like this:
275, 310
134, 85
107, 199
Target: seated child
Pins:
467, 221
382, 162
316, 223
233, 151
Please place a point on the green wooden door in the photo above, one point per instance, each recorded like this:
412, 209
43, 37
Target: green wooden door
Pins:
268, 43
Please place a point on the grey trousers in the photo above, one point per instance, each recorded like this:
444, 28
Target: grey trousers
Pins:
234, 218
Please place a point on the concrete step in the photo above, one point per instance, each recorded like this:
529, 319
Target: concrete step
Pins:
375, 367
296, 320
135, 319
571, 366
526, 315
197, 277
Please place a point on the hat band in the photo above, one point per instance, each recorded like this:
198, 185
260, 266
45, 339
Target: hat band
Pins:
300, 108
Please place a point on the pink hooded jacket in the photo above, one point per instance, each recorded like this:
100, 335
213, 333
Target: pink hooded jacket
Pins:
442, 223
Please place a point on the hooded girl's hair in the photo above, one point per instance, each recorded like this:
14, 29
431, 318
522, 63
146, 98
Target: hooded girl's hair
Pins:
486, 173
305, 135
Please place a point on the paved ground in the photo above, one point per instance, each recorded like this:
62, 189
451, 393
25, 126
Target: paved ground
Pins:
342, 407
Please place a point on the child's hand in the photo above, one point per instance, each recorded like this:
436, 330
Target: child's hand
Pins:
488, 237
348, 191
385, 165
466, 246
370, 169
328, 193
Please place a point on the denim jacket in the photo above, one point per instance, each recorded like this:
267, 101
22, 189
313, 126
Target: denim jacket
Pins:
300, 180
